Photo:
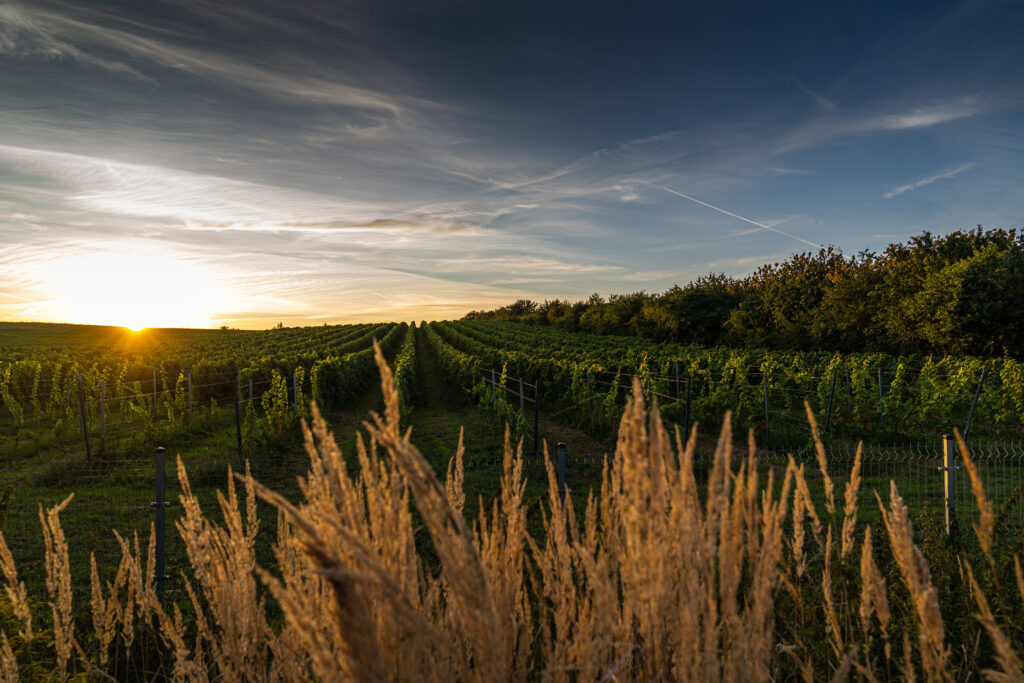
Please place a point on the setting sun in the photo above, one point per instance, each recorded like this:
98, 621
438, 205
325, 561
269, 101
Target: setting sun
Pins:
134, 290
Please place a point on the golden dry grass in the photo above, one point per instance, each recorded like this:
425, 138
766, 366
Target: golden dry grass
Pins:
663, 578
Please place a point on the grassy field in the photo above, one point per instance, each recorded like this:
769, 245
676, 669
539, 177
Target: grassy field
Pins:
495, 527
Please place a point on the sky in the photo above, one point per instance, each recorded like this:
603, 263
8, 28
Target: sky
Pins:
209, 162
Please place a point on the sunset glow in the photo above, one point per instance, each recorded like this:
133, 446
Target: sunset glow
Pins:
133, 290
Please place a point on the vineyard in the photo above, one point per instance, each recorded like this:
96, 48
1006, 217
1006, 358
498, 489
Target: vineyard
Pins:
84, 409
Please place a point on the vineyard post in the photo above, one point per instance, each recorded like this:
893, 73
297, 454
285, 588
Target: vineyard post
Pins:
831, 395
154, 393
676, 364
849, 383
103, 414
250, 391
881, 406
81, 411
494, 389
522, 402
686, 434
190, 398
767, 419
948, 468
295, 389
238, 410
974, 403
536, 418
159, 506
561, 472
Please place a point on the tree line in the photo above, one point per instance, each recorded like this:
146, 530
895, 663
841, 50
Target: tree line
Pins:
962, 293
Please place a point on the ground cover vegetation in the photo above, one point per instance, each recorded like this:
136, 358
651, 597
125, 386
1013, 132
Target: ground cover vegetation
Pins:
952, 294
666, 571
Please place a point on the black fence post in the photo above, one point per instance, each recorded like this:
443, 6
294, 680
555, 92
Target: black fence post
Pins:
881, 406
160, 506
536, 418
677, 380
686, 434
831, 395
522, 402
767, 418
103, 415
238, 410
974, 403
190, 398
85, 424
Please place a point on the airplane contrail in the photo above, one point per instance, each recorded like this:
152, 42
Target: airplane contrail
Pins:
730, 213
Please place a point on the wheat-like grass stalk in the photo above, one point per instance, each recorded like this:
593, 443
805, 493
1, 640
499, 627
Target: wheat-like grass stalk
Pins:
1019, 575
831, 619
850, 505
9, 670
15, 590
104, 612
983, 531
819, 450
917, 577
874, 597
1009, 662
58, 583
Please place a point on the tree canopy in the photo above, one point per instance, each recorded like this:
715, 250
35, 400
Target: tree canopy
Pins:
961, 293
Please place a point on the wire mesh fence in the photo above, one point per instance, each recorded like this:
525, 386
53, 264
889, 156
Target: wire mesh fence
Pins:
109, 466
916, 470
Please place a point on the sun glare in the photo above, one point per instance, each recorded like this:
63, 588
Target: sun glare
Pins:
134, 290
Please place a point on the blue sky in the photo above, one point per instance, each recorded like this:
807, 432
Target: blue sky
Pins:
203, 162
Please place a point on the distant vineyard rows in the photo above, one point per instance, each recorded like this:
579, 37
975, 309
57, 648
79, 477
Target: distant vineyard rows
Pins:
873, 395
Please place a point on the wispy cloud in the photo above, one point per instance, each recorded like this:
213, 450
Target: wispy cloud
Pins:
823, 102
83, 34
748, 220
927, 181
329, 226
31, 35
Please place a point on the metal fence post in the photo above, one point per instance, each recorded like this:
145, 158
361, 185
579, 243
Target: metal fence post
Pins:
238, 410
974, 403
562, 488
686, 434
160, 505
536, 418
190, 398
250, 393
522, 402
295, 389
677, 380
949, 469
85, 424
103, 414
767, 419
154, 393
881, 406
831, 395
